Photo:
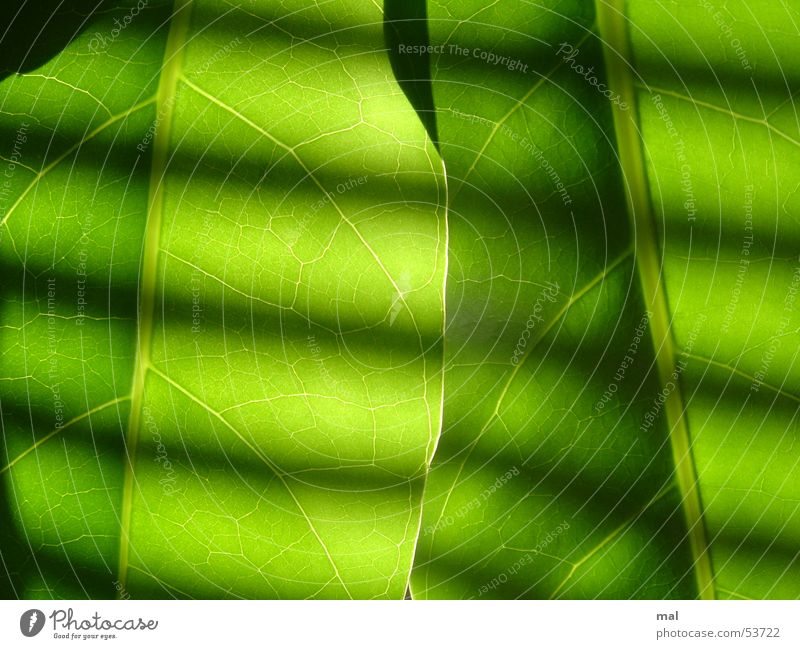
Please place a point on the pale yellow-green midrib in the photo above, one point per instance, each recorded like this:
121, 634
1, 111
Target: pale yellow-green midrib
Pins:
173, 58
612, 22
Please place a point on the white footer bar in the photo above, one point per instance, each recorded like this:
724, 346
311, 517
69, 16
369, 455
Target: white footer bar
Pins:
399, 625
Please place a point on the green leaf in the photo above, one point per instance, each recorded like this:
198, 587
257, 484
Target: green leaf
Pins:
608, 438
224, 253
296, 296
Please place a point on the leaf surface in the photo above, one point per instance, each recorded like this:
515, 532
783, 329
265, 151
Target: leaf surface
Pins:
251, 384
296, 306
607, 438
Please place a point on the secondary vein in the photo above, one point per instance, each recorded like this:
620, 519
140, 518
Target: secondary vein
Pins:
612, 23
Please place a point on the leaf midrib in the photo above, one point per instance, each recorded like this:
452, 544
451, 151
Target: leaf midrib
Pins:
165, 100
614, 39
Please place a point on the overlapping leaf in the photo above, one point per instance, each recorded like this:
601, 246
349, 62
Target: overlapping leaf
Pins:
635, 435
225, 257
